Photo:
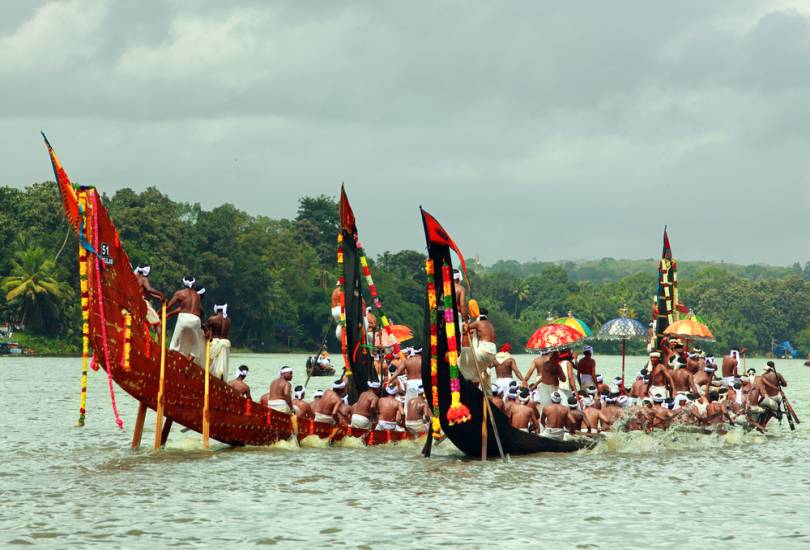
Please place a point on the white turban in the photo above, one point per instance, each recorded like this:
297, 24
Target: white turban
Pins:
556, 397
189, 282
143, 270
223, 308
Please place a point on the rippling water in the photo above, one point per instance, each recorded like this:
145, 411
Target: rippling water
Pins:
62, 486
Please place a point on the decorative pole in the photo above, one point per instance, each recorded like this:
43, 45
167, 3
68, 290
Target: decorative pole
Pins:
85, 299
206, 427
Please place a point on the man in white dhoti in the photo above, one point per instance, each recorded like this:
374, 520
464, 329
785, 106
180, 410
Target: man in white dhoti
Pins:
483, 347
188, 337
142, 274
505, 365
219, 325
279, 397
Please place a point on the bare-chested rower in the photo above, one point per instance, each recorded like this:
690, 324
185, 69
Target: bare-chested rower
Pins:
461, 295
417, 413
335, 308
364, 411
639, 387
586, 368
536, 367
217, 328
142, 274
326, 408
683, 381
551, 375
239, 384
554, 418
412, 368
577, 420
704, 378
505, 366
188, 337
729, 367
610, 412
301, 408
660, 377
279, 397
482, 351
523, 416
389, 410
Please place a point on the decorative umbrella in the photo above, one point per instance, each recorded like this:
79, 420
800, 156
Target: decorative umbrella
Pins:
692, 316
622, 328
690, 329
401, 333
553, 337
577, 324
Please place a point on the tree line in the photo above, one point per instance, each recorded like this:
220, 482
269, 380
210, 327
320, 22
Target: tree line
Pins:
277, 276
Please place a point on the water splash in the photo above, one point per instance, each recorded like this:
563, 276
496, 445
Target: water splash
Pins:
677, 438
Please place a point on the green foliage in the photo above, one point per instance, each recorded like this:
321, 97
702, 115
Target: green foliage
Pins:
277, 277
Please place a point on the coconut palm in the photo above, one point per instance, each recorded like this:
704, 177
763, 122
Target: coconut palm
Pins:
521, 292
33, 288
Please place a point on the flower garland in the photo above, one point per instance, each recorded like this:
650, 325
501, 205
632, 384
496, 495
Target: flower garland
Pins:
85, 299
97, 262
376, 299
434, 346
458, 411
342, 279
127, 340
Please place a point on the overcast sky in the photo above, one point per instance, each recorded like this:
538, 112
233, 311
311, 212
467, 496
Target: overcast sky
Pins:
530, 130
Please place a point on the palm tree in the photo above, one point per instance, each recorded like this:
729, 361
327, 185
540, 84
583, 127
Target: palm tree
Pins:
520, 292
34, 289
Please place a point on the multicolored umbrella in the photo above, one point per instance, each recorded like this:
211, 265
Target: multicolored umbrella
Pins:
401, 333
577, 324
690, 329
622, 328
553, 337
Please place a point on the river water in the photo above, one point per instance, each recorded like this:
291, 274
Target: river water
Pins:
62, 486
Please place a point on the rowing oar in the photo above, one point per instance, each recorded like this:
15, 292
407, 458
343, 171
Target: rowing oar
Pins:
159, 409
791, 414
206, 426
487, 407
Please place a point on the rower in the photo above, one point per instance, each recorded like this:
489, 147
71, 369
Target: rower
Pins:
601, 386
336, 310
279, 397
479, 354
390, 410
586, 368
412, 368
142, 275
344, 413
326, 408
554, 418
610, 411
551, 374
364, 412
510, 399
591, 411
660, 376
461, 295
218, 326
521, 415
568, 387
639, 387
316, 395
768, 386
729, 367
497, 398
188, 337
576, 417
684, 381
301, 408
505, 365
239, 384
417, 413
703, 379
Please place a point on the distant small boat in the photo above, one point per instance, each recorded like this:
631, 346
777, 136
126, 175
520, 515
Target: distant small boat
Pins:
10, 348
314, 368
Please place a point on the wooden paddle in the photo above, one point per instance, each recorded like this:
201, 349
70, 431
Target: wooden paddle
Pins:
159, 411
487, 406
791, 414
206, 427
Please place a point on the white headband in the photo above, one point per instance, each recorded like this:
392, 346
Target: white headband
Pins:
201, 291
300, 393
285, 370
457, 276
373, 384
391, 390
318, 393
338, 385
242, 372
189, 283
143, 270
223, 308
556, 397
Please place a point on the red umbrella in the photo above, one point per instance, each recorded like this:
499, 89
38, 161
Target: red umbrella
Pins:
553, 337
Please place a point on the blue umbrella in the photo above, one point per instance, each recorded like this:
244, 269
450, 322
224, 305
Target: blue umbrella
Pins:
622, 328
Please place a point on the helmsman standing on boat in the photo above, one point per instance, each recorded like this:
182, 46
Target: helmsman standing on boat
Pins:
219, 325
188, 337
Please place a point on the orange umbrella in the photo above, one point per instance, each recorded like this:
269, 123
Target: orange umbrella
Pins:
690, 329
401, 333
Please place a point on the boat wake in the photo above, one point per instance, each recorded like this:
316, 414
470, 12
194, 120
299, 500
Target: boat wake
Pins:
674, 439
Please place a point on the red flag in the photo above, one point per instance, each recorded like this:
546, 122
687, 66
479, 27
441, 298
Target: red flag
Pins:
346, 214
69, 200
437, 235
667, 252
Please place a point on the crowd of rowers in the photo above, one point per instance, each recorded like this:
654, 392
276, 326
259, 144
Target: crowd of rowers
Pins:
387, 405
